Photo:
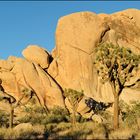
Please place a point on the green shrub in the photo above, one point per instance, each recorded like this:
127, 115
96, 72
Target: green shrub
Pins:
39, 109
131, 113
79, 118
56, 115
37, 115
3, 119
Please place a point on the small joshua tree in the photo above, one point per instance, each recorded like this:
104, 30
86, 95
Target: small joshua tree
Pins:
74, 98
13, 103
116, 65
11, 100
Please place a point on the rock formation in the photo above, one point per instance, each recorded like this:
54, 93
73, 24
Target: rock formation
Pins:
38, 55
70, 65
77, 36
28, 75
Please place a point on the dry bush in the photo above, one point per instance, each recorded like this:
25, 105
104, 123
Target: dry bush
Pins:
24, 133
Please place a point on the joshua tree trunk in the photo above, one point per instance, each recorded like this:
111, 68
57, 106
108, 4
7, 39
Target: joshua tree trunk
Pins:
116, 112
74, 117
116, 106
11, 118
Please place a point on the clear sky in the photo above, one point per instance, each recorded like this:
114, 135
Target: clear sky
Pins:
24, 23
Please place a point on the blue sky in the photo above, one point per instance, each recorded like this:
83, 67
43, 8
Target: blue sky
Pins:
24, 23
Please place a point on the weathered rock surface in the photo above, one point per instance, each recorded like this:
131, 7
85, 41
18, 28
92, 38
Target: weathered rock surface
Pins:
77, 35
23, 127
76, 38
28, 75
5, 65
37, 55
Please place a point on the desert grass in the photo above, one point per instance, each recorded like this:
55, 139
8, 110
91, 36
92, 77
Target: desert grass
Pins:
64, 130
34, 123
24, 133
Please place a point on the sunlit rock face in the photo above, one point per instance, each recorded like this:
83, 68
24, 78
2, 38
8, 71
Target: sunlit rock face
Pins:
19, 74
77, 35
70, 64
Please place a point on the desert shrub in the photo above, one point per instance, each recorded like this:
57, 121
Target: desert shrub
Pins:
130, 117
28, 109
122, 133
130, 113
56, 115
107, 118
34, 109
34, 100
39, 109
37, 115
80, 118
58, 111
105, 115
63, 126
32, 118
3, 119
49, 127
124, 107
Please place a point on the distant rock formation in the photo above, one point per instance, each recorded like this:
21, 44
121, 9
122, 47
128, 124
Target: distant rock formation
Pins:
70, 65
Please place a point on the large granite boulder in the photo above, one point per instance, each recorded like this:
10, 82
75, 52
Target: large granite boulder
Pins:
77, 36
37, 55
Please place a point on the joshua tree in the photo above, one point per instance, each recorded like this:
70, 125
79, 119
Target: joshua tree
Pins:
74, 98
116, 65
13, 103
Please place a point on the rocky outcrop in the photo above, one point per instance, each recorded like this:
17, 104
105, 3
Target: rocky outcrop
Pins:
70, 65
28, 75
77, 36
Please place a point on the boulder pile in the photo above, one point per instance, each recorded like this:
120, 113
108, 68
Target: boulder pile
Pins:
70, 64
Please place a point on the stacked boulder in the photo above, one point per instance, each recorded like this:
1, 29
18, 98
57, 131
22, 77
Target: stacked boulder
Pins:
70, 65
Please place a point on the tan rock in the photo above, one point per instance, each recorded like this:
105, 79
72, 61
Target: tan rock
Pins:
5, 65
128, 95
132, 14
53, 68
37, 55
23, 127
10, 84
77, 36
82, 107
27, 75
76, 39
52, 91
12, 59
